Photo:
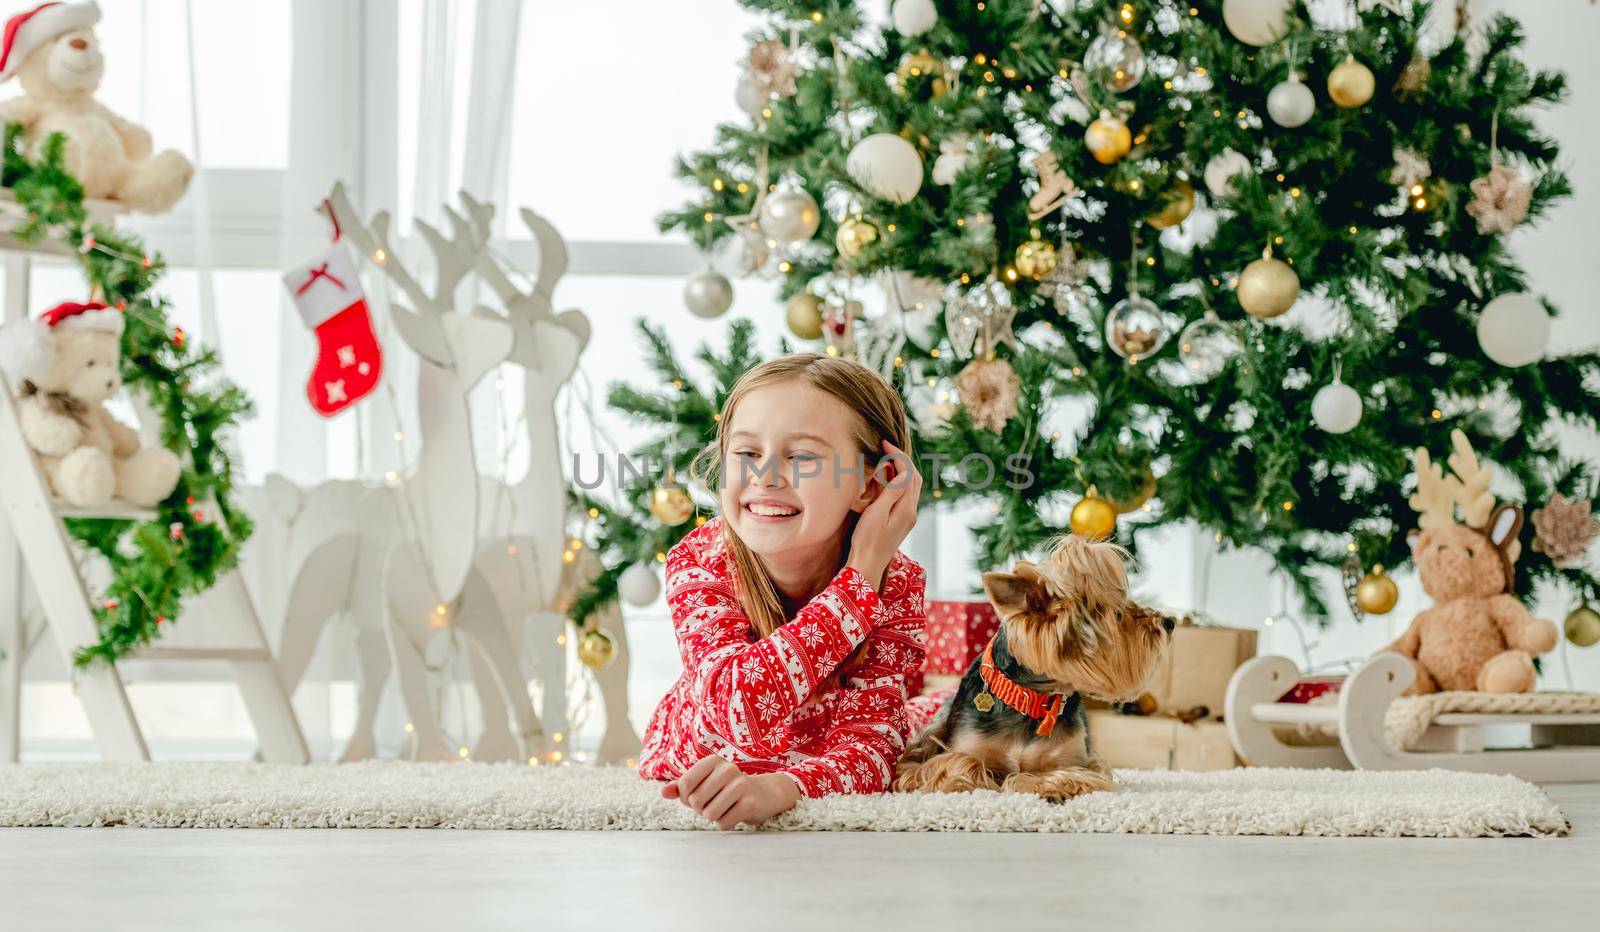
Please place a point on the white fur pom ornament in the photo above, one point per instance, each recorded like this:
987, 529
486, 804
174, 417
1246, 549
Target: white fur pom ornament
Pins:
26, 348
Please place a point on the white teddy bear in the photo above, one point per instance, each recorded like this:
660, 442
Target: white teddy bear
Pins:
63, 368
53, 52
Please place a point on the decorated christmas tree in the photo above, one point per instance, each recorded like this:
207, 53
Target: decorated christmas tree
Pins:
1262, 242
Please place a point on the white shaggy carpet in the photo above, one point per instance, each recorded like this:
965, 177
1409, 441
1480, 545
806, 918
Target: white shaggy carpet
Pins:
1251, 801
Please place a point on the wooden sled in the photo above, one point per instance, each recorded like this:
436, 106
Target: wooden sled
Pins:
1566, 746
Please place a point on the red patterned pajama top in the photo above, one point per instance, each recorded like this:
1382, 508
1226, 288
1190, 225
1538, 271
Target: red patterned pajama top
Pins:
751, 700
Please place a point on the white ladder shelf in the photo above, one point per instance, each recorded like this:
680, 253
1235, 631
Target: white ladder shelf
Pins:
64, 600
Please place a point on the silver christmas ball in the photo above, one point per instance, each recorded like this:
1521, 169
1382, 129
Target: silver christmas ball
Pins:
913, 17
1223, 168
1135, 328
1257, 22
752, 96
1514, 329
639, 585
790, 216
708, 293
1291, 103
1206, 347
1116, 60
1336, 408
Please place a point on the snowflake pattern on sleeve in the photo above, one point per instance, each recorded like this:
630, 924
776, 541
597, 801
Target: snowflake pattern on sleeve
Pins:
752, 700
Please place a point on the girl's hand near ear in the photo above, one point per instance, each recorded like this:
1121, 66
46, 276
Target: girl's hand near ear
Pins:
889, 518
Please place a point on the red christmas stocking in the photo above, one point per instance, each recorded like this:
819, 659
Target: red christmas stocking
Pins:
327, 293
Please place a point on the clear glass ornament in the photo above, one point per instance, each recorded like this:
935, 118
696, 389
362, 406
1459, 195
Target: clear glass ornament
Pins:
1135, 328
1206, 347
1116, 60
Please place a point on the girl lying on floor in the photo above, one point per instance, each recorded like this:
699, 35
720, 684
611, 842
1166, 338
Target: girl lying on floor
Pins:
798, 620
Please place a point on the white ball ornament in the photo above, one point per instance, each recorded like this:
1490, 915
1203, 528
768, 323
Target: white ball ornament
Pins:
708, 293
1257, 22
913, 17
1291, 103
639, 585
1223, 168
752, 96
887, 166
790, 216
1514, 329
1336, 407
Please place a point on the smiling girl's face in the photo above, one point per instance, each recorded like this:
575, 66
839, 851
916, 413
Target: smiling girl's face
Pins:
793, 472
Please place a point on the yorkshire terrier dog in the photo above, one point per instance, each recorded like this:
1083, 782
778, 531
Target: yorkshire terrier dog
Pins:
1016, 723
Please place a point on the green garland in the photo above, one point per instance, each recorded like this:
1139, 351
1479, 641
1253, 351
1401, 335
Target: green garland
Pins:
196, 533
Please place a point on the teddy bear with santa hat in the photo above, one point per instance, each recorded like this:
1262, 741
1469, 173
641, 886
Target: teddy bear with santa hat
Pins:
52, 52
64, 366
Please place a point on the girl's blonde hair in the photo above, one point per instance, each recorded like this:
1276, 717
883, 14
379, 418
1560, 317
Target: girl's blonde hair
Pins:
880, 415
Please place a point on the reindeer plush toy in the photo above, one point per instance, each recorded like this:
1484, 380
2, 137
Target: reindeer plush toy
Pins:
1478, 635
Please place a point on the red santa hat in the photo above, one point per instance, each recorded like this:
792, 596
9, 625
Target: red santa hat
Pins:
27, 31
70, 315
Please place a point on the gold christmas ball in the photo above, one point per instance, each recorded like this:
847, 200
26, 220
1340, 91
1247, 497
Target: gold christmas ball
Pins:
597, 648
670, 503
854, 236
1350, 84
920, 65
1583, 627
1093, 517
804, 312
1036, 258
1268, 287
1147, 491
1376, 593
1108, 139
1176, 203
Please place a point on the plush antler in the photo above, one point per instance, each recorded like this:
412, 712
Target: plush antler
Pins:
1434, 504
1469, 487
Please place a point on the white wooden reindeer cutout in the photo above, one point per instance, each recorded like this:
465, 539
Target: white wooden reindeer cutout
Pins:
425, 569
528, 572
343, 535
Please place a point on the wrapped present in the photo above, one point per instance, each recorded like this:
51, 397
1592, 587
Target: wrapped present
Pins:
1191, 679
1160, 743
957, 631
1311, 688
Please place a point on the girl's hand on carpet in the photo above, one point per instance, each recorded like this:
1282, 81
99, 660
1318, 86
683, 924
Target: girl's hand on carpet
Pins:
718, 790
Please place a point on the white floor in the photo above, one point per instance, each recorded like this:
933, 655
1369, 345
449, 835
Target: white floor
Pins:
114, 879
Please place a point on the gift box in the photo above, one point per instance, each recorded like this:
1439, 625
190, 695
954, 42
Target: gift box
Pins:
958, 630
1190, 680
1160, 743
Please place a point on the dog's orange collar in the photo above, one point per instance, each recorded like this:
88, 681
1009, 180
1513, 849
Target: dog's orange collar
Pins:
1030, 702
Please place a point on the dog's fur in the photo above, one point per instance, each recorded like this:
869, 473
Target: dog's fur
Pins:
1066, 626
